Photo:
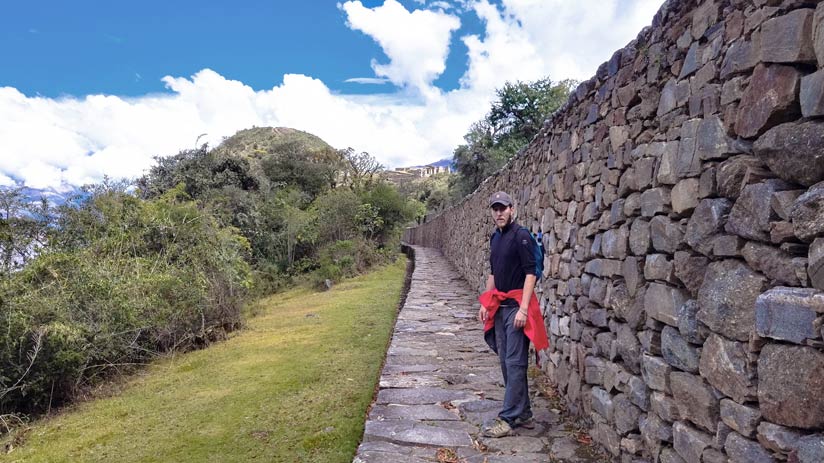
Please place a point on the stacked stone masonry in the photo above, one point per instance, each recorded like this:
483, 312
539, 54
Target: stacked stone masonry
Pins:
680, 193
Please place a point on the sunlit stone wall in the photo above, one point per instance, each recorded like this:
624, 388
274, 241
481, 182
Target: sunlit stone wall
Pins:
680, 196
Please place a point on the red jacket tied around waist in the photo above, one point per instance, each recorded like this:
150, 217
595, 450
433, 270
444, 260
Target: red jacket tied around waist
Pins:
535, 329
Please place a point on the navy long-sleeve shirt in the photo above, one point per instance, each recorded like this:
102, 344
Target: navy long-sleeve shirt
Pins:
511, 257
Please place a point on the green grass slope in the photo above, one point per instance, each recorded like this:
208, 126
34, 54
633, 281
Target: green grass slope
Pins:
293, 387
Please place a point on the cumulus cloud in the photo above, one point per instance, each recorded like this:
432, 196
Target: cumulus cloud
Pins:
63, 142
416, 42
576, 37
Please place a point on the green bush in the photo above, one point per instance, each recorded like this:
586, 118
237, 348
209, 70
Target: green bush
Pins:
123, 280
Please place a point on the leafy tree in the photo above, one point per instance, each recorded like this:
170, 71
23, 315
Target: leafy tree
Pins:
515, 117
394, 210
359, 170
521, 108
23, 227
311, 172
336, 215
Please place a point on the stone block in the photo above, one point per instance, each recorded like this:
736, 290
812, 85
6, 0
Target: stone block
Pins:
690, 270
726, 365
795, 151
603, 267
727, 245
661, 302
639, 237
815, 261
772, 262
809, 449
632, 444
791, 386
688, 325
625, 415
737, 172
812, 94
818, 36
712, 141
732, 90
808, 221
666, 235
689, 442
628, 348
777, 438
684, 195
678, 352
721, 434
654, 431
703, 17
655, 201
602, 403
658, 267
788, 314
782, 202
666, 168
788, 38
742, 55
727, 297
741, 418
707, 185
687, 161
594, 315
711, 455
594, 370
638, 392
614, 243
655, 372
690, 62
664, 406
669, 455
707, 220
742, 450
695, 399
770, 99
650, 341
751, 214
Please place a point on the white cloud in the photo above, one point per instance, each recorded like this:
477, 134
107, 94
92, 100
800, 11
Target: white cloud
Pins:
368, 80
6, 181
416, 42
576, 38
63, 142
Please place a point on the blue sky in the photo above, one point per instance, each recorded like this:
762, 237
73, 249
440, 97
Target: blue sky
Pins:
93, 88
124, 48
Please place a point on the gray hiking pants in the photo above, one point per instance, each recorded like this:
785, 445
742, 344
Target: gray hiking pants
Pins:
513, 350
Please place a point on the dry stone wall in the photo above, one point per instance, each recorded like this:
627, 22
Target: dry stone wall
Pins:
680, 193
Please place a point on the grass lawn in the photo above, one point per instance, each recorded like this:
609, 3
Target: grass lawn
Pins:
294, 386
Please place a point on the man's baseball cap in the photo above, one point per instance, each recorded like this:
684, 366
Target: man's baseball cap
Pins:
500, 198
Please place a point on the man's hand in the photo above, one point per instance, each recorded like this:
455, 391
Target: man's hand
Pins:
483, 314
520, 318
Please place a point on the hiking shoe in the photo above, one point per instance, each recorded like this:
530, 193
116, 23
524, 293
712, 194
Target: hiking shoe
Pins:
499, 429
526, 423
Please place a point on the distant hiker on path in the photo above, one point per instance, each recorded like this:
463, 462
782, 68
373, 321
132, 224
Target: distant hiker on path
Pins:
510, 319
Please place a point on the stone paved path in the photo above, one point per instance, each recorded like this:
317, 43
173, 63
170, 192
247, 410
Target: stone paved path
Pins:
441, 384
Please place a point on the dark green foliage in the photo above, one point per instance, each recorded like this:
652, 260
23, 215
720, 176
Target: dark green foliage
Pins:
22, 229
514, 119
309, 172
123, 276
393, 210
122, 280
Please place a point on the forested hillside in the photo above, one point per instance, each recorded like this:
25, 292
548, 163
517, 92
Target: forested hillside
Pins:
125, 271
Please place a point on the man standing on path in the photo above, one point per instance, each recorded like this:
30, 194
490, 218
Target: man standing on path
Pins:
511, 313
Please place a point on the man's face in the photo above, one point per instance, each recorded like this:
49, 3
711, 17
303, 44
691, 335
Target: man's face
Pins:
501, 215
